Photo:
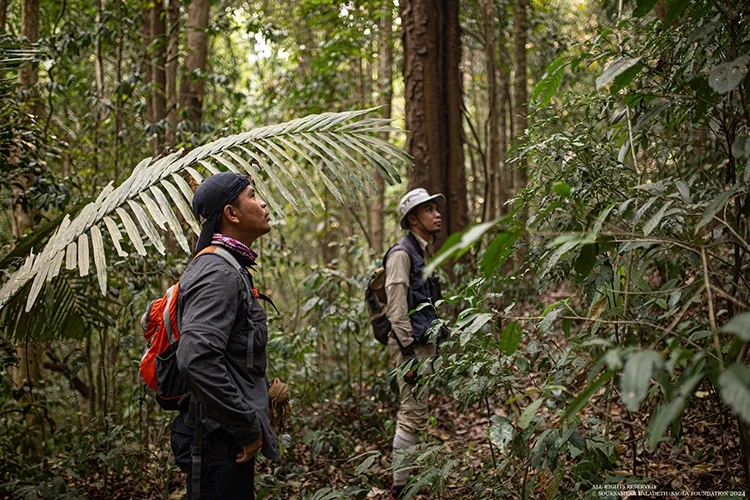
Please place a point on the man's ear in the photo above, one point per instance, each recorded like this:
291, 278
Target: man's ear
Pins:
411, 219
230, 213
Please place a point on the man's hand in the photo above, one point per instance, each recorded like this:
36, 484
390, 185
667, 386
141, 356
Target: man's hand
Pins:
411, 376
249, 450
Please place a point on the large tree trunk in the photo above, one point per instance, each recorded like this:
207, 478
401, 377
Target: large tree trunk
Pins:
493, 119
171, 67
432, 51
158, 61
519, 85
196, 45
385, 99
29, 373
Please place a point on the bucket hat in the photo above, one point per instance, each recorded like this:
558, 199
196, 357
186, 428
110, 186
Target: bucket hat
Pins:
413, 199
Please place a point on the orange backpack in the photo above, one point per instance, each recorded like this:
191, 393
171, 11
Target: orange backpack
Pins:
158, 366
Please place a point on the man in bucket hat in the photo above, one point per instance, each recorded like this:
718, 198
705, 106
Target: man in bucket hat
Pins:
224, 420
410, 337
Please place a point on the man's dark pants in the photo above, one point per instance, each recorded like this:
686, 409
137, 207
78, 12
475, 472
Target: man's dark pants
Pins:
222, 477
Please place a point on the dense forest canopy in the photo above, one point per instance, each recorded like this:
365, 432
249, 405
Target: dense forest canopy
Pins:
595, 158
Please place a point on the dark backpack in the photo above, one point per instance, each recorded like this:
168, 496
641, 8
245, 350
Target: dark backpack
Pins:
376, 300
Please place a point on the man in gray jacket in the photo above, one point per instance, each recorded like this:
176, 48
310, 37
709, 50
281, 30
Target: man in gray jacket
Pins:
224, 420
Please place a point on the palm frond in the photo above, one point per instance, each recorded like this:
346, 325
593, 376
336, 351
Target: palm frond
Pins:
339, 146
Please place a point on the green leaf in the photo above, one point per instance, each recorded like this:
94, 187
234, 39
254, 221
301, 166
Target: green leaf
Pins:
616, 68
561, 188
476, 322
456, 246
734, 385
636, 377
739, 325
550, 82
676, 10
367, 463
529, 413
502, 435
510, 338
498, 252
666, 413
654, 221
643, 7
580, 401
714, 207
725, 77
624, 78
741, 147
586, 261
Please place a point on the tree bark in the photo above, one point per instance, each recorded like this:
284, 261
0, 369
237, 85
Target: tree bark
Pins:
505, 177
196, 44
158, 60
148, 72
28, 75
3, 14
519, 85
385, 98
29, 373
432, 52
171, 70
493, 119
117, 97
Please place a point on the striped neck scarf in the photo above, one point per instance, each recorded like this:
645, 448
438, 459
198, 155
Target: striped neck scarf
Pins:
236, 246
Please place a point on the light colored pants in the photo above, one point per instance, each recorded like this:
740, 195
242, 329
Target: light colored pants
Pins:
413, 412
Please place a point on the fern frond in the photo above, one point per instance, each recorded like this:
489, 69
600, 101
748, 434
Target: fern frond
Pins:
339, 147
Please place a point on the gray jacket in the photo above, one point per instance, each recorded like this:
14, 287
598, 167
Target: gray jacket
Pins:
222, 352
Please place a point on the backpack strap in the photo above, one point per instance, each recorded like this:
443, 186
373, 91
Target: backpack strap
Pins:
227, 256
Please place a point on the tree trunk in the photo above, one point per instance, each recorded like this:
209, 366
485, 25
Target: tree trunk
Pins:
29, 373
3, 14
385, 99
29, 73
493, 119
100, 91
171, 67
158, 60
519, 85
148, 72
432, 51
504, 177
196, 45
118, 99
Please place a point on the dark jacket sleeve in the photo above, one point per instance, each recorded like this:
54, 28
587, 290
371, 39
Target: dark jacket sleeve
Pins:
208, 315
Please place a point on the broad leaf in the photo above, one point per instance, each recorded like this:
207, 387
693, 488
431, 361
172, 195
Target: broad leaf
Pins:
580, 401
666, 413
716, 205
643, 7
615, 68
549, 84
510, 338
654, 221
735, 389
739, 325
528, 414
636, 377
725, 77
